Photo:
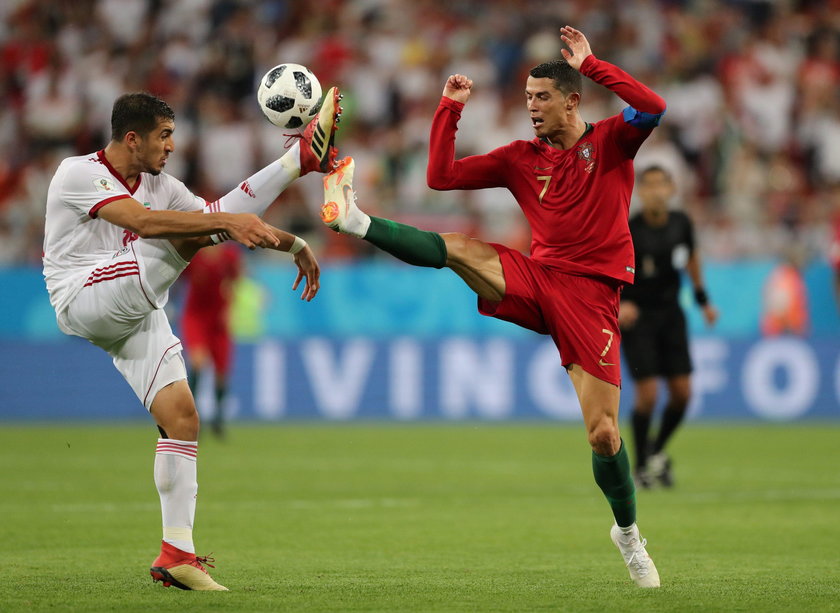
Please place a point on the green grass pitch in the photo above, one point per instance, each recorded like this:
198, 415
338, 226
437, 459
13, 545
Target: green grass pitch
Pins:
440, 517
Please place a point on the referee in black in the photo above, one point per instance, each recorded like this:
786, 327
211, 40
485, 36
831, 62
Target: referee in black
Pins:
653, 329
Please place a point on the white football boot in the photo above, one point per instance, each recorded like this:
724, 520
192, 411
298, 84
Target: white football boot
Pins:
632, 547
659, 466
339, 210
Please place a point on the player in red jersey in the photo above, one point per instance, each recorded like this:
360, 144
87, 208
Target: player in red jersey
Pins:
573, 182
205, 321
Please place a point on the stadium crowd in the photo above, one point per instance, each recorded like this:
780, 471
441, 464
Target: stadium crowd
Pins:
752, 133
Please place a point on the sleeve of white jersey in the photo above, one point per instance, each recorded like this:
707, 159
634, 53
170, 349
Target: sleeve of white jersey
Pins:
181, 198
86, 188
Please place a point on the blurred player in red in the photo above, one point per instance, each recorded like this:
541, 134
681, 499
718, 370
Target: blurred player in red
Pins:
205, 324
573, 182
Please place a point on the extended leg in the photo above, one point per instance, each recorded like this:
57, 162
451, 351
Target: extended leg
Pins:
476, 262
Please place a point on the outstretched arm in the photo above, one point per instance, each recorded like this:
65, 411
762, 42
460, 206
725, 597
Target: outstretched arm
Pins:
244, 228
444, 172
637, 95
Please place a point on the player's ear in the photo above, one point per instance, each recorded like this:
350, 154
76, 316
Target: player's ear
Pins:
131, 139
572, 101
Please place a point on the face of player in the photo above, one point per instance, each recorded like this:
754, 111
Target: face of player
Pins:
552, 112
153, 149
655, 189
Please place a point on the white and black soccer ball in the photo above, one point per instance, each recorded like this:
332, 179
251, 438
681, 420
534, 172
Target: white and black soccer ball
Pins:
289, 95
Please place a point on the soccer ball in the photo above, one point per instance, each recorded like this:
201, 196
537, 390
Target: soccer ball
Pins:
289, 95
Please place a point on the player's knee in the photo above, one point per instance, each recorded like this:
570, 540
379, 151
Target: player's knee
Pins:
457, 246
604, 437
646, 396
187, 425
679, 396
644, 406
679, 401
180, 423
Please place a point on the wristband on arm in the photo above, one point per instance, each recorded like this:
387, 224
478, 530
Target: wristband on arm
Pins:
216, 207
297, 245
700, 296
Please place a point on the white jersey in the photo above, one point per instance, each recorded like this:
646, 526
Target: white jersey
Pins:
75, 239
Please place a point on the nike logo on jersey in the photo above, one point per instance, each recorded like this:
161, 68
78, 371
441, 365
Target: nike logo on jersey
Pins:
603, 363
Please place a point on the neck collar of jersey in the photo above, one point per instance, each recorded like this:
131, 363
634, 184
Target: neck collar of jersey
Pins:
586, 131
101, 155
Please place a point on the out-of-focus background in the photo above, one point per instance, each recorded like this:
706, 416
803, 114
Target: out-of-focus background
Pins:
752, 137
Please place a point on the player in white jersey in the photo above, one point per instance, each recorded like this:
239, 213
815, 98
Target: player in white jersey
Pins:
118, 233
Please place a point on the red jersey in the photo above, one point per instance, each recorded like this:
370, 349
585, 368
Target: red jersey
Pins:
576, 200
211, 274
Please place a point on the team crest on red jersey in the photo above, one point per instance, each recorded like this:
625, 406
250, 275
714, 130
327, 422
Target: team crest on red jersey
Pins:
586, 152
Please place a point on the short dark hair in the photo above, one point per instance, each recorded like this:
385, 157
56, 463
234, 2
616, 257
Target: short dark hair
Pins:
138, 112
655, 168
566, 79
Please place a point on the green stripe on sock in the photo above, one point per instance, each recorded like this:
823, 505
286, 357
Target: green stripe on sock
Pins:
407, 243
612, 474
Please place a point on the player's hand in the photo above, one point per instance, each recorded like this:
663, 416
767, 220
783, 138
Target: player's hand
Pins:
307, 269
710, 314
251, 231
578, 44
628, 314
458, 87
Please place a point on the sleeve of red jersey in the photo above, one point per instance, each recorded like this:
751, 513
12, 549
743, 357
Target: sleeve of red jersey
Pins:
649, 106
444, 172
646, 106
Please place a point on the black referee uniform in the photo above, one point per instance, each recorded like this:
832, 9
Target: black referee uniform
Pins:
657, 345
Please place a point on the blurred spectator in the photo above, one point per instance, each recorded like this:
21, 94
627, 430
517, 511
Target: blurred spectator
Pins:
786, 297
752, 133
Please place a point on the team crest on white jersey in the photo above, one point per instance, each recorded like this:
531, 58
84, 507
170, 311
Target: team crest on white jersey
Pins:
104, 184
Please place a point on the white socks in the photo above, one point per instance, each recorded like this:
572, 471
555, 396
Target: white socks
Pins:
175, 478
259, 190
356, 223
629, 530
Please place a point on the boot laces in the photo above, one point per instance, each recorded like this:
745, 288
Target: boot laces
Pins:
201, 561
639, 559
291, 138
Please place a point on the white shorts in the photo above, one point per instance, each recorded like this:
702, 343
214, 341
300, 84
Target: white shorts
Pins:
120, 310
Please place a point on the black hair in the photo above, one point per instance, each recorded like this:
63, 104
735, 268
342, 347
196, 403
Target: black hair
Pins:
566, 79
655, 168
138, 112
